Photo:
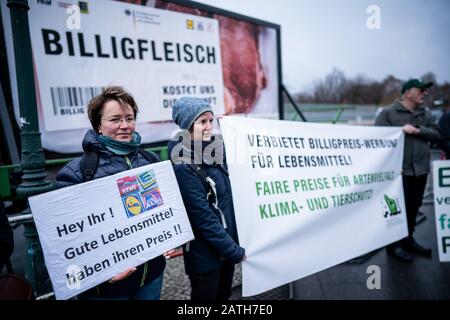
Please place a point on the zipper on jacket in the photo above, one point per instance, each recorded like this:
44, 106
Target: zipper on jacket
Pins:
215, 204
144, 275
130, 166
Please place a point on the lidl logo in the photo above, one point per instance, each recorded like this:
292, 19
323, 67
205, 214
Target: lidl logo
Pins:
132, 205
139, 193
190, 24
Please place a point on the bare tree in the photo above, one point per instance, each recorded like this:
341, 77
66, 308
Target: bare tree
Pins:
433, 92
331, 88
336, 88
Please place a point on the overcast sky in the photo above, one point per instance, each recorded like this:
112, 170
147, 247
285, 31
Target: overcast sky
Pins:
318, 35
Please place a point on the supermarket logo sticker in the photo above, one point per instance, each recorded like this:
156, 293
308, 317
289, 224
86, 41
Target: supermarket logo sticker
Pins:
139, 193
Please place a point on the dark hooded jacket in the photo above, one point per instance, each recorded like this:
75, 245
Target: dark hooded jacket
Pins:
416, 154
213, 243
109, 164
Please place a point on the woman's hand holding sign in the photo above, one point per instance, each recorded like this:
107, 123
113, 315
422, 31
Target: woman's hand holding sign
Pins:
122, 275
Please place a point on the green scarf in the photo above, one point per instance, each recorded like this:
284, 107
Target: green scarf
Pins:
121, 148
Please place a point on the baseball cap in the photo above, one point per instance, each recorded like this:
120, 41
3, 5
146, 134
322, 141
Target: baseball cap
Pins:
415, 83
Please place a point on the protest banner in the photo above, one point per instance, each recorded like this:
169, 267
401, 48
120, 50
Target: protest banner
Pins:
441, 191
92, 231
310, 196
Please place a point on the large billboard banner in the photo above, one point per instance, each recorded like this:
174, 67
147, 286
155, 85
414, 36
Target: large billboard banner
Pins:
156, 50
156, 53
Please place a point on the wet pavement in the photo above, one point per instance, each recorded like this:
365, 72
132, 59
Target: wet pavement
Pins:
424, 278
176, 285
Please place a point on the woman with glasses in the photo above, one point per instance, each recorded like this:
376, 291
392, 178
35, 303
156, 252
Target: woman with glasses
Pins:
113, 137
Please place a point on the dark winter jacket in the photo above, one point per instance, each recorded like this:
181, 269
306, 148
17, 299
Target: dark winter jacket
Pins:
416, 155
109, 164
213, 243
6, 238
444, 125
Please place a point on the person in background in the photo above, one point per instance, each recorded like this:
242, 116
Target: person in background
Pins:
113, 137
444, 125
6, 239
210, 258
409, 113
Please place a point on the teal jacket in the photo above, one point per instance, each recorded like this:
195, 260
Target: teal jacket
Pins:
416, 155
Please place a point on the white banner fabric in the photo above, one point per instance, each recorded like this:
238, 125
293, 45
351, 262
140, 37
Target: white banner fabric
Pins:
310, 196
441, 191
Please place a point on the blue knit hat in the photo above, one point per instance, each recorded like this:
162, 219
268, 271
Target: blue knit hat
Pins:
185, 110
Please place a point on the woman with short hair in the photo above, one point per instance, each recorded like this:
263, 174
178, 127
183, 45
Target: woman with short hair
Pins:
113, 138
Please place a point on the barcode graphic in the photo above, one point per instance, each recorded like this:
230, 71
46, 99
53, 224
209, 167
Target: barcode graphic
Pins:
63, 97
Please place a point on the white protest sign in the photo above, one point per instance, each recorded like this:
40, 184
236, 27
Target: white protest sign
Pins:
159, 55
441, 190
92, 231
310, 196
